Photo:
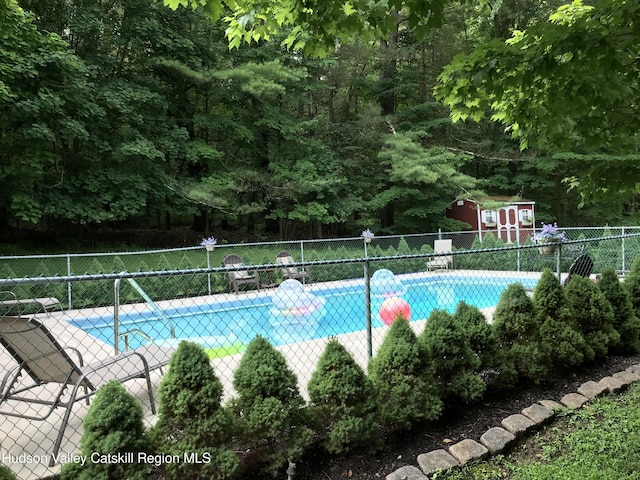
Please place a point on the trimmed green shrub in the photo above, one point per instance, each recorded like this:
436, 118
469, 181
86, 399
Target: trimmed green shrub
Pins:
403, 379
518, 332
593, 313
191, 421
269, 407
494, 367
632, 285
6, 474
559, 332
455, 363
113, 426
625, 320
342, 401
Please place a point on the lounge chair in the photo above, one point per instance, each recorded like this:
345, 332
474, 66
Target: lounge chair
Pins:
9, 300
285, 258
237, 278
582, 266
442, 261
39, 355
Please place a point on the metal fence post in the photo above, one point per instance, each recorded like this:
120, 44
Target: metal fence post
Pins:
69, 283
367, 299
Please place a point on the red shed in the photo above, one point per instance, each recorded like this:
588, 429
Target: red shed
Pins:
510, 219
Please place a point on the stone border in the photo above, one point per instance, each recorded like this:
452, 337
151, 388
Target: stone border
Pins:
514, 427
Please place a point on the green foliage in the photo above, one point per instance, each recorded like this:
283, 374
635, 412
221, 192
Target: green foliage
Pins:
559, 330
191, 419
403, 379
269, 408
6, 473
317, 34
494, 365
113, 425
593, 314
523, 83
454, 362
341, 398
632, 285
518, 331
625, 320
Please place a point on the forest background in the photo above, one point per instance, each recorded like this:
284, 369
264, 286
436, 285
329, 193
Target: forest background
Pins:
125, 116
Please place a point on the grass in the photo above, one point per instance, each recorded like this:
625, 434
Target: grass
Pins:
600, 441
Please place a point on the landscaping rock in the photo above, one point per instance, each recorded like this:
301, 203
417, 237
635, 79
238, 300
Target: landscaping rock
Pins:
518, 424
552, 404
592, 389
613, 385
497, 439
627, 377
436, 460
468, 450
634, 369
408, 472
573, 400
538, 414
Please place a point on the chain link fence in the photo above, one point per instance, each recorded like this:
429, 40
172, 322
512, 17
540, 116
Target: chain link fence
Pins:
90, 312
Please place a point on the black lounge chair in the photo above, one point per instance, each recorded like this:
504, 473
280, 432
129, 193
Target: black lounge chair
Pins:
41, 361
581, 266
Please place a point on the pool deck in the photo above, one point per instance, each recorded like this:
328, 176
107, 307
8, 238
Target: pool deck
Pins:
33, 440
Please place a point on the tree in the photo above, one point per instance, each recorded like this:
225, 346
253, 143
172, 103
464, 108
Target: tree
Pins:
316, 27
559, 332
625, 320
455, 363
191, 419
113, 426
572, 82
518, 331
403, 379
341, 397
269, 406
593, 314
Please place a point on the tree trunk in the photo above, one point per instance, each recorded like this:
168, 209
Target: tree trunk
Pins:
388, 70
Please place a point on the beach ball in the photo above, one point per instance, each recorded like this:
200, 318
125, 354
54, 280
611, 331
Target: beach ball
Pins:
391, 308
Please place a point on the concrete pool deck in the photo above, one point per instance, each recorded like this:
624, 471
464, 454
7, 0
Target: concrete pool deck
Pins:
27, 444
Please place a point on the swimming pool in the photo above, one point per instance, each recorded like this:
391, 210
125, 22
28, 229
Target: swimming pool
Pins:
235, 321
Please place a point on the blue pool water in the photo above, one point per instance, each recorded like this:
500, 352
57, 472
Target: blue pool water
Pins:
240, 320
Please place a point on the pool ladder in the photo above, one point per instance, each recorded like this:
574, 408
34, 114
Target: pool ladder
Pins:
116, 316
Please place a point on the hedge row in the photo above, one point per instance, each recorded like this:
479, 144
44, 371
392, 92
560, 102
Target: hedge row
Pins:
456, 359
100, 292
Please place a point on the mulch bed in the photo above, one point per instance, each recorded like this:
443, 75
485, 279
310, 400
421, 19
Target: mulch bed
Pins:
458, 423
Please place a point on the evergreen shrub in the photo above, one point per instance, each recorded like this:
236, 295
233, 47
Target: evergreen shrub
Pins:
342, 401
113, 425
625, 320
455, 363
518, 332
632, 285
6, 473
593, 314
494, 366
268, 407
403, 379
191, 419
561, 336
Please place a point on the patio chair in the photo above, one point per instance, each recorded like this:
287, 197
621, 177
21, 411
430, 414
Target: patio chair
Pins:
237, 278
443, 261
582, 266
42, 362
10, 301
289, 272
